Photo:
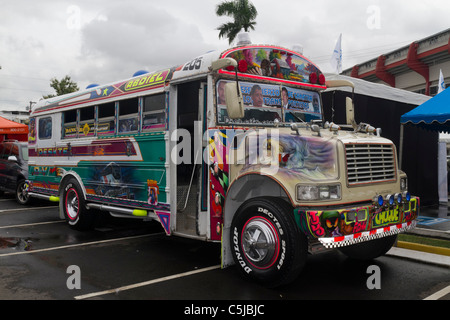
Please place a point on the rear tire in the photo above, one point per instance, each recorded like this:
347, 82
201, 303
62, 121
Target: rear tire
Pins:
267, 245
22, 196
369, 250
74, 207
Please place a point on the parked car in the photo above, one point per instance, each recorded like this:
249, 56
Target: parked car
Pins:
14, 169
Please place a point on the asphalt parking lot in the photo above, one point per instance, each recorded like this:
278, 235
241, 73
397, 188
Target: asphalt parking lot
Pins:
42, 258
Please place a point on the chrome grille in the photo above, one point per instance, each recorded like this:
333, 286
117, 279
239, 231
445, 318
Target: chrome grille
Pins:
369, 163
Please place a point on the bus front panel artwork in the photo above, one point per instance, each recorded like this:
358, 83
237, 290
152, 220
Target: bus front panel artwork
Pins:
230, 147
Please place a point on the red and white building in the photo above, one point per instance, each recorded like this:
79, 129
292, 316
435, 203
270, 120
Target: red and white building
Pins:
414, 67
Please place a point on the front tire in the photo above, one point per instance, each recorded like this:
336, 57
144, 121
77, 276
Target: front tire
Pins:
267, 244
74, 207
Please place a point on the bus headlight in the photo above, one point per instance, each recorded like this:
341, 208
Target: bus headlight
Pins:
390, 198
407, 196
378, 200
318, 192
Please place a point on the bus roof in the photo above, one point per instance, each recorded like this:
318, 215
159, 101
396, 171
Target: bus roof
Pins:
257, 62
101, 94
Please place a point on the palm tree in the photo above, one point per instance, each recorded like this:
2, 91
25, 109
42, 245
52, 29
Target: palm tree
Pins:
244, 14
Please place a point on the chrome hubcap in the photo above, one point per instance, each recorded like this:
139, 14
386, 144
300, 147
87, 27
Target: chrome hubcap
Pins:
260, 242
22, 193
72, 204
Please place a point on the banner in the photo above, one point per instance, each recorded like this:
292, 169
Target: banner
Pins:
336, 58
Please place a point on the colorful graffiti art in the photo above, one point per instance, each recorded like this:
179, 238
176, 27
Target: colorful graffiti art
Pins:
307, 157
335, 223
153, 191
219, 171
273, 63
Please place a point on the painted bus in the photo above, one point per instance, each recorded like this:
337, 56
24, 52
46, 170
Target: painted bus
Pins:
229, 147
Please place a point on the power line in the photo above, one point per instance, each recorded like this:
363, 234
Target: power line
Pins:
22, 89
11, 100
360, 53
17, 76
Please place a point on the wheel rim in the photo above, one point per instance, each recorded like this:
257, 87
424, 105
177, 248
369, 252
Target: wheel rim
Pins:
22, 192
260, 242
72, 204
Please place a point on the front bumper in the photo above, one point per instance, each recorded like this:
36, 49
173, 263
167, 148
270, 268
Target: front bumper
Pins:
343, 227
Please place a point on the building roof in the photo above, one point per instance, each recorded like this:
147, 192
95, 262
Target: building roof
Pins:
418, 57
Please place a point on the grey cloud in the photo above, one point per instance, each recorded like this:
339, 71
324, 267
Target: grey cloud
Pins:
139, 37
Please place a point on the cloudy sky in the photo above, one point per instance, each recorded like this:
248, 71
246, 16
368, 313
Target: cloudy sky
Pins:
107, 40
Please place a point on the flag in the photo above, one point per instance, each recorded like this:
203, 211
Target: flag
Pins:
336, 58
441, 86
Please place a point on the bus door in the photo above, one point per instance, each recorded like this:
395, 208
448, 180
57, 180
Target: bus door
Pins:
190, 171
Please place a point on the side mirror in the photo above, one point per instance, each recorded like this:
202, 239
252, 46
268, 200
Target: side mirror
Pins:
349, 107
339, 83
223, 63
233, 95
350, 112
234, 101
12, 158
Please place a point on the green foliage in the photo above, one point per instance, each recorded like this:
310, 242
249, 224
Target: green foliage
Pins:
243, 13
424, 240
63, 86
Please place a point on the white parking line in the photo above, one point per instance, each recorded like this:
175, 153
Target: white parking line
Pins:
26, 209
145, 283
77, 245
439, 294
31, 224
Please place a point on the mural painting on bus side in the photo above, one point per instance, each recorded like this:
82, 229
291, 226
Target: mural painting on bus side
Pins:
112, 181
219, 170
121, 184
32, 131
153, 191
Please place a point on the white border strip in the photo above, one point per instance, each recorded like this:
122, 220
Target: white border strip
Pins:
31, 224
78, 245
439, 294
145, 283
26, 209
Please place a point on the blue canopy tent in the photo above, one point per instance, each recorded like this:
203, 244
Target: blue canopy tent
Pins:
433, 114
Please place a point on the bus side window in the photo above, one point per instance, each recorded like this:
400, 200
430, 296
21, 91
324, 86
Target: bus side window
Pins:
106, 115
154, 115
128, 115
45, 128
70, 124
87, 119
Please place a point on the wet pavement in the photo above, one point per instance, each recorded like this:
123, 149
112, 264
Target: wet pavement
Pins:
434, 221
134, 260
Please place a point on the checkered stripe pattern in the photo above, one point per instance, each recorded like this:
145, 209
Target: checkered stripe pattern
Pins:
342, 241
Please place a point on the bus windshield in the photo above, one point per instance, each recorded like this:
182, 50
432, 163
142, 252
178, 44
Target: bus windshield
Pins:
266, 102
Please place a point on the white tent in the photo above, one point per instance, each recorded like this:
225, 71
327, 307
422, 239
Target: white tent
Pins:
379, 90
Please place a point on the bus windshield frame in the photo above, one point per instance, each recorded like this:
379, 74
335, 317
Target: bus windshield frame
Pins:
265, 102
